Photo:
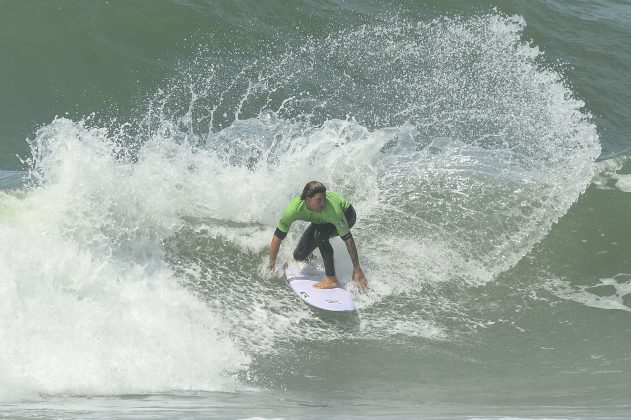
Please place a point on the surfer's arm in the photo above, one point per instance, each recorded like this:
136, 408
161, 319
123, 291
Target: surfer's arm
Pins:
358, 274
273, 251
279, 234
352, 251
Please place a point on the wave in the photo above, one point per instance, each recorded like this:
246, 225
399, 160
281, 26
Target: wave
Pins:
140, 245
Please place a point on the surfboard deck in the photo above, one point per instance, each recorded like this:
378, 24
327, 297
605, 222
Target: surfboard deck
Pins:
302, 277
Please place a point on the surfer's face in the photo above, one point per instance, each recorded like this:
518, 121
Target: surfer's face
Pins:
315, 203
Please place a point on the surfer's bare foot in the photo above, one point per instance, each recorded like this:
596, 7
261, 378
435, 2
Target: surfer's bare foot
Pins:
328, 282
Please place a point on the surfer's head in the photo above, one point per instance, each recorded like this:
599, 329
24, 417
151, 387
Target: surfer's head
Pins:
314, 195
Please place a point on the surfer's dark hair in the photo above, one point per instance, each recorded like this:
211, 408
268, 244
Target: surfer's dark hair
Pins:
312, 188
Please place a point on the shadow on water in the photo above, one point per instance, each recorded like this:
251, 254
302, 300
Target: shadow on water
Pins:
346, 321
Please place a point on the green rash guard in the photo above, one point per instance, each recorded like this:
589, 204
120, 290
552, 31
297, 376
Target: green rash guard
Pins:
333, 212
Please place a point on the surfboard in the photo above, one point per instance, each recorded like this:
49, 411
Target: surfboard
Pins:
302, 277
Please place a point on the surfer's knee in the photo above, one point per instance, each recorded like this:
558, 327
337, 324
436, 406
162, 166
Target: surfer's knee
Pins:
299, 255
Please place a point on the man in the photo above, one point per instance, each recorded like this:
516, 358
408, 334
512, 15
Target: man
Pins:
330, 215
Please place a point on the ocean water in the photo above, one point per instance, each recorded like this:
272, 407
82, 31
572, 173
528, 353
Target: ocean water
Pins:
147, 149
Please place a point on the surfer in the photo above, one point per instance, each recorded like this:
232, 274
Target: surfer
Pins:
330, 215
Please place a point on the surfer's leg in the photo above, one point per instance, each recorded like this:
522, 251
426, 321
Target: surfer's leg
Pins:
322, 235
327, 256
307, 244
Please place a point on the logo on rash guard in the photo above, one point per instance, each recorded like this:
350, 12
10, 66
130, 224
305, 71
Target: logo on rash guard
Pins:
342, 223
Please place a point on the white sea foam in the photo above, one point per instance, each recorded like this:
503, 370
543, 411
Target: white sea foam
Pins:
607, 293
623, 182
76, 322
89, 306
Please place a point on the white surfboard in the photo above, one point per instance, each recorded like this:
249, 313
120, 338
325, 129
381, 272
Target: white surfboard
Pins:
301, 279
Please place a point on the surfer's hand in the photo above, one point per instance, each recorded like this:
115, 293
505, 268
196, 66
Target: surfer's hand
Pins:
268, 271
358, 276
